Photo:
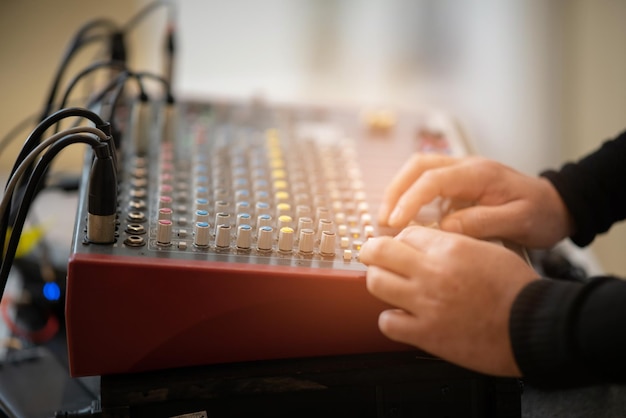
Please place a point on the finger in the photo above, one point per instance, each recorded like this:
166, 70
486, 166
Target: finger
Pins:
400, 326
410, 171
421, 239
390, 287
486, 222
390, 254
465, 181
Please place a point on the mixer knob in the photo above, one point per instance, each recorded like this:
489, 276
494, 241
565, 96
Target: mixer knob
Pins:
281, 185
242, 194
244, 219
202, 216
322, 213
264, 220
283, 209
281, 197
202, 181
201, 238
307, 241
285, 239
164, 232
221, 206
202, 204
284, 221
243, 206
244, 236
264, 241
202, 192
262, 208
327, 245
324, 225
303, 211
222, 236
262, 196
220, 193
305, 223
165, 202
221, 218
165, 214
166, 189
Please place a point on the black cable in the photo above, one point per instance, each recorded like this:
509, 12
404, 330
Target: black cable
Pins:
166, 84
22, 125
170, 50
114, 82
34, 138
109, 24
118, 83
31, 143
29, 194
115, 99
88, 70
79, 41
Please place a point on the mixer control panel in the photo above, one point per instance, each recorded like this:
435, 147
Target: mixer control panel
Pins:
239, 235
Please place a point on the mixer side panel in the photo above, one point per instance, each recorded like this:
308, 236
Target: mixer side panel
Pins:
128, 314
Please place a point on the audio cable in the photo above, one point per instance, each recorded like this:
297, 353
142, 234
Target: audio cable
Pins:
80, 40
102, 203
35, 136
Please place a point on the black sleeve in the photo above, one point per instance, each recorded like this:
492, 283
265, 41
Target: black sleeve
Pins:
566, 333
594, 189
570, 334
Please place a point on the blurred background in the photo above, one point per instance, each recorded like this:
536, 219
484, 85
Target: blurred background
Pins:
532, 82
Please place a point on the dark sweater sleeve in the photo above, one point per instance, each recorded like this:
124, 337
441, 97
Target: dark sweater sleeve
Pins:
570, 334
593, 189
566, 333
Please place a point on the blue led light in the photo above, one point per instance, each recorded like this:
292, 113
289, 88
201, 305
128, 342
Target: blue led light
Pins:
51, 291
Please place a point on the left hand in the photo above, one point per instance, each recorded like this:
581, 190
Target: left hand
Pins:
453, 293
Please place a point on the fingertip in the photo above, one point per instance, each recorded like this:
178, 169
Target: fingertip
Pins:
391, 323
383, 213
385, 320
364, 252
395, 219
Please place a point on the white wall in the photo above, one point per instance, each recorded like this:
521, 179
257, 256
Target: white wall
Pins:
490, 62
595, 100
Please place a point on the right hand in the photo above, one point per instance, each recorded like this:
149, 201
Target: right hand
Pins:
504, 203
453, 295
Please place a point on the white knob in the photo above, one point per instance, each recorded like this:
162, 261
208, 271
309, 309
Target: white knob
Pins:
264, 241
244, 236
307, 241
327, 244
285, 239
201, 238
164, 232
222, 236
165, 214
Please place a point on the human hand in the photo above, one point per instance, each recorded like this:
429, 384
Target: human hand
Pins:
453, 293
504, 203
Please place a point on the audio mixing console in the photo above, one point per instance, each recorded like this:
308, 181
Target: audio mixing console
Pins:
238, 237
